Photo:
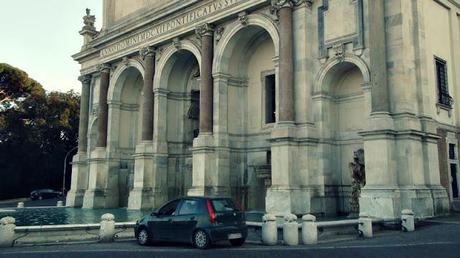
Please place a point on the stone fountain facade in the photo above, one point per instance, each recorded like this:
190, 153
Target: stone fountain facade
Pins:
266, 101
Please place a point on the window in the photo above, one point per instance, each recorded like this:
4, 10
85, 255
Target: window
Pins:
190, 207
223, 205
169, 209
270, 101
451, 151
442, 83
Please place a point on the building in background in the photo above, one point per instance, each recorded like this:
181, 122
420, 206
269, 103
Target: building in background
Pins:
267, 102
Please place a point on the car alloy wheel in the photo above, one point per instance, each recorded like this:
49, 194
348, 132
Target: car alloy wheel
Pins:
201, 239
143, 237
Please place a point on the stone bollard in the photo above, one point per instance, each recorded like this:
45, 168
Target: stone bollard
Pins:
365, 225
407, 220
309, 230
269, 230
290, 230
107, 231
60, 204
20, 205
7, 228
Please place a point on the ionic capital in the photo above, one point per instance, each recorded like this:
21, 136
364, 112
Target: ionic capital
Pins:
278, 4
147, 51
205, 29
85, 79
307, 3
104, 68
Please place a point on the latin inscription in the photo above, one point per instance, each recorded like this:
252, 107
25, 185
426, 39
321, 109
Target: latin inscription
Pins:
169, 25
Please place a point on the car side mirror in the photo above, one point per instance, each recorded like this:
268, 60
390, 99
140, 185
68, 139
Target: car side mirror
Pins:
154, 214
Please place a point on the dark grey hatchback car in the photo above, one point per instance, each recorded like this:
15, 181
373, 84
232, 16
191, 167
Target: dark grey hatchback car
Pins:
200, 221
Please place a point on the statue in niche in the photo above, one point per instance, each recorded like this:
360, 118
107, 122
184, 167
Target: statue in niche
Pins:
358, 174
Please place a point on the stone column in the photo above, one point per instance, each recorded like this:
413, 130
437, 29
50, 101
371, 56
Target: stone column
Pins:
150, 165
102, 189
286, 69
205, 176
148, 54
292, 190
206, 32
84, 113
79, 181
103, 107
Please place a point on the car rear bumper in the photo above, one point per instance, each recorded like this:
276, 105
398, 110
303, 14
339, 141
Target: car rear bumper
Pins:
220, 233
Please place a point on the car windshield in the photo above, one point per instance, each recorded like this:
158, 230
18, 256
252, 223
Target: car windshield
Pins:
223, 205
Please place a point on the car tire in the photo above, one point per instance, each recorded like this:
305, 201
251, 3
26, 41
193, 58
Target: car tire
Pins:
143, 237
237, 242
201, 239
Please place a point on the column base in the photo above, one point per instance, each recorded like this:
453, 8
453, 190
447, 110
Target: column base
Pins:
210, 175
298, 201
150, 178
100, 199
79, 181
102, 189
441, 203
209, 191
146, 198
75, 198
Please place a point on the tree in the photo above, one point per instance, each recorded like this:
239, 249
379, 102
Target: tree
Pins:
36, 131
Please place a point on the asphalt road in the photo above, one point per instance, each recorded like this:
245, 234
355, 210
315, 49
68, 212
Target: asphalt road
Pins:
438, 238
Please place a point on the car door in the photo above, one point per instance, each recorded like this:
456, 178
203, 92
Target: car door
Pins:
184, 223
161, 224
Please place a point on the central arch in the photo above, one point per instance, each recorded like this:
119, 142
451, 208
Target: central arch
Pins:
179, 78
244, 66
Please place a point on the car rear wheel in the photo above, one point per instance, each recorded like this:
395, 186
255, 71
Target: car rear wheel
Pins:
143, 238
237, 242
201, 240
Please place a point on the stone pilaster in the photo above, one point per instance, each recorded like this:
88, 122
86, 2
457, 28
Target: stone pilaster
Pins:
79, 181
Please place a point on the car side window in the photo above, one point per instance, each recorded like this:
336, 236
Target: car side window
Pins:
169, 209
189, 207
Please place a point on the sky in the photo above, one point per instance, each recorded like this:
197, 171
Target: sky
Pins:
39, 37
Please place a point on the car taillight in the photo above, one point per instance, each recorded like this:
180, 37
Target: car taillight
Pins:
211, 212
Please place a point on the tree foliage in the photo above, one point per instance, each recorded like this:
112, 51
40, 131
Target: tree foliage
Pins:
36, 131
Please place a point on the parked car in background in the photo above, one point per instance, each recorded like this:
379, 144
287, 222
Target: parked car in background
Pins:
45, 194
200, 221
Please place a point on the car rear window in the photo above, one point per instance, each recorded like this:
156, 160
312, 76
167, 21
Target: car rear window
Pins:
223, 205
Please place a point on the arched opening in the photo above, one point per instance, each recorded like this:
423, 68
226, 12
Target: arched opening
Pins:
248, 60
181, 78
344, 118
127, 133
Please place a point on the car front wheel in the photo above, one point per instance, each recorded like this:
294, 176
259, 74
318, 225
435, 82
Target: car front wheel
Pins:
201, 240
143, 238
